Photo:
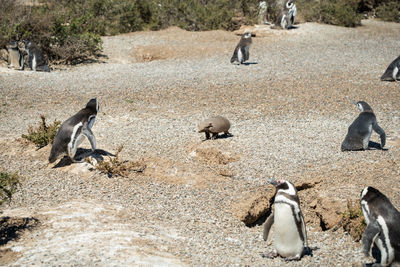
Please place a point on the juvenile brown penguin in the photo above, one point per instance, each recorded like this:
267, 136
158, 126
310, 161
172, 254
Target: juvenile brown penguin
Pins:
242, 50
215, 125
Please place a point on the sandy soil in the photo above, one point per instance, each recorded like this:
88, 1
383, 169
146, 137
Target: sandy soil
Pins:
289, 108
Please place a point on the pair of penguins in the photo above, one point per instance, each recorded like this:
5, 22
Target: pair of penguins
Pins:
36, 60
290, 236
285, 20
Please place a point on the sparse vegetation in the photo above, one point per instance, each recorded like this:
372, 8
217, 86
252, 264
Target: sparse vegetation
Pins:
69, 31
43, 134
389, 11
335, 12
353, 220
114, 166
9, 184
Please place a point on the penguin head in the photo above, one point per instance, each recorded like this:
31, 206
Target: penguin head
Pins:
93, 105
247, 34
289, 4
285, 186
369, 193
363, 106
12, 45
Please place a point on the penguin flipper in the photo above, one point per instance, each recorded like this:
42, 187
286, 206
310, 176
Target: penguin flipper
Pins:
369, 235
381, 133
234, 56
89, 134
267, 226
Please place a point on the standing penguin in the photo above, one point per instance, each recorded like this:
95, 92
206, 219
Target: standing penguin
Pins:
292, 13
392, 72
36, 60
241, 53
15, 57
360, 130
383, 226
72, 131
290, 236
286, 16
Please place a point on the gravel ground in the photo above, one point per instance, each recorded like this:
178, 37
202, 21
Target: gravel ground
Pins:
289, 109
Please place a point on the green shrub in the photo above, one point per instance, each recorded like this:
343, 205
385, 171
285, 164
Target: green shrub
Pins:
335, 12
9, 184
389, 11
43, 134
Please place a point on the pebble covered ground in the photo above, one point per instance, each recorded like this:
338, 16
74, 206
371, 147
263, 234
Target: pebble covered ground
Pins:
289, 109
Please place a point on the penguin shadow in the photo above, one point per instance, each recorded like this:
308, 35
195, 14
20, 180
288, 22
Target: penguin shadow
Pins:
373, 145
292, 27
250, 63
81, 155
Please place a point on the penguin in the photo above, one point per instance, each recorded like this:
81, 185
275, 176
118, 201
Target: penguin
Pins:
359, 132
36, 60
285, 19
292, 13
392, 72
71, 132
290, 236
15, 57
383, 226
241, 52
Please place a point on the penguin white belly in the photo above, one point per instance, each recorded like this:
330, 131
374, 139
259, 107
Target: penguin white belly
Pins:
240, 55
283, 22
395, 71
286, 236
34, 63
367, 137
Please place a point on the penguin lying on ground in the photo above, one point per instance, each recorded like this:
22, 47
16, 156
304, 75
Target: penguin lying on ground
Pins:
290, 236
72, 131
383, 227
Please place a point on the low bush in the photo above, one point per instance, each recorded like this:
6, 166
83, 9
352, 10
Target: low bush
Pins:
9, 184
114, 166
389, 11
335, 12
43, 134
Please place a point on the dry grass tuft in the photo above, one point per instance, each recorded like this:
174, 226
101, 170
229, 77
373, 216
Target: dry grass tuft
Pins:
353, 220
120, 168
9, 184
44, 134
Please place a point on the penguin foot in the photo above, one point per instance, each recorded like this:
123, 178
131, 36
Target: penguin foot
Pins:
270, 255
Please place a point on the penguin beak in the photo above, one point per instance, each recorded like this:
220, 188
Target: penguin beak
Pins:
273, 182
